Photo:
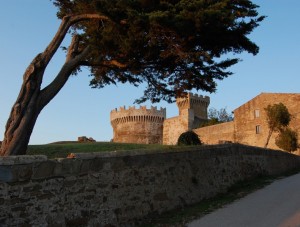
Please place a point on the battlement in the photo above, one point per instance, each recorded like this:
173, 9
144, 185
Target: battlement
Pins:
195, 102
192, 100
194, 97
199, 97
137, 114
152, 109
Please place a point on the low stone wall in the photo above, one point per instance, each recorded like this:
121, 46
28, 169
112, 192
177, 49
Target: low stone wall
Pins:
120, 189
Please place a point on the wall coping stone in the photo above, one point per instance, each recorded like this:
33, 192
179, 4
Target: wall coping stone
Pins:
22, 159
27, 167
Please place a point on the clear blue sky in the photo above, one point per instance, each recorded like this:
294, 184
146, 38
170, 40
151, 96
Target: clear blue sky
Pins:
28, 26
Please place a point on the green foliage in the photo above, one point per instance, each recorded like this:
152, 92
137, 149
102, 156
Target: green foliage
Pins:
287, 140
189, 138
173, 46
278, 116
217, 116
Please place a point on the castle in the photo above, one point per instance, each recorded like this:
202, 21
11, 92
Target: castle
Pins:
150, 126
144, 126
249, 126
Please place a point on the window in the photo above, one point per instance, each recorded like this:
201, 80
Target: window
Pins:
257, 129
256, 113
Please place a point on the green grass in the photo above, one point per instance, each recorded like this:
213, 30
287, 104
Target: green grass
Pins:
62, 149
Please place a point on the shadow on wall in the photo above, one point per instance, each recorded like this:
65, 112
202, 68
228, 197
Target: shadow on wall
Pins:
122, 188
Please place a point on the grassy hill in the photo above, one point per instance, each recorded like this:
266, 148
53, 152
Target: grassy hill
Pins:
62, 149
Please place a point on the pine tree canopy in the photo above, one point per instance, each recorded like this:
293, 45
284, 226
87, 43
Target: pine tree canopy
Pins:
173, 46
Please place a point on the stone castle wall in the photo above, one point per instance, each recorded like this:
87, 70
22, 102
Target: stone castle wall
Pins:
195, 102
215, 134
143, 126
120, 189
249, 126
175, 126
192, 110
150, 126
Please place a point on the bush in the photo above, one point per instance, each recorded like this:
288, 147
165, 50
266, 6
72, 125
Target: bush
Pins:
287, 140
189, 138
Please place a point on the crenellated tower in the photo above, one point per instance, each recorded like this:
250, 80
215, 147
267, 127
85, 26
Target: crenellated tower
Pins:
192, 112
142, 125
150, 126
195, 102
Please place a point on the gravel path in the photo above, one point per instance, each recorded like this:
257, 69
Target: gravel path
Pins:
275, 205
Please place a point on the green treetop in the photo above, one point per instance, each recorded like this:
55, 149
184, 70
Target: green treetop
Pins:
173, 46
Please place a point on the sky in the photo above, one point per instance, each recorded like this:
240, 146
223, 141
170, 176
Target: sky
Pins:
78, 110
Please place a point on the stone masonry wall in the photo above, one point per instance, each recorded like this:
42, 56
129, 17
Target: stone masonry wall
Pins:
250, 122
246, 120
120, 189
175, 126
143, 126
216, 134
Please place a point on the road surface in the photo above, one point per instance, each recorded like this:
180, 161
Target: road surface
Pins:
278, 205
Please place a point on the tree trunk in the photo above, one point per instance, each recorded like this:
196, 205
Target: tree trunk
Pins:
32, 99
24, 112
268, 138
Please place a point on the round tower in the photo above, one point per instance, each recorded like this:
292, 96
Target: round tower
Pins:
197, 103
143, 126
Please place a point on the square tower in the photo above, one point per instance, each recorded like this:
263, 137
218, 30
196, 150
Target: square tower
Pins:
197, 103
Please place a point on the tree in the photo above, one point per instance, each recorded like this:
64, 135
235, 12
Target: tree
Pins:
189, 138
172, 46
278, 117
287, 140
217, 116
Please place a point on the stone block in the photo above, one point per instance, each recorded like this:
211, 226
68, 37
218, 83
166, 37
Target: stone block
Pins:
43, 170
6, 174
22, 159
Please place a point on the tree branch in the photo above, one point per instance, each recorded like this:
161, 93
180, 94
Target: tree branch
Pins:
73, 48
72, 59
55, 86
109, 64
66, 23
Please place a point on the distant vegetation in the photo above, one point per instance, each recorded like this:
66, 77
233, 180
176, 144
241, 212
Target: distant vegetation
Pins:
217, 117
62, 149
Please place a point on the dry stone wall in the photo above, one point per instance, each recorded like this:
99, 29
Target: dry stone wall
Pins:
121, 189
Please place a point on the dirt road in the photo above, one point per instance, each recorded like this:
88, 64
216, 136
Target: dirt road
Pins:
275, 205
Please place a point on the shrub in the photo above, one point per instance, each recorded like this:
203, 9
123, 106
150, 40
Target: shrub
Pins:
287, 140
189, 138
